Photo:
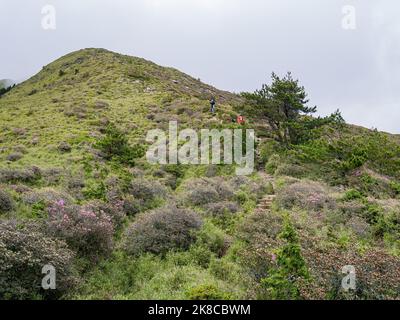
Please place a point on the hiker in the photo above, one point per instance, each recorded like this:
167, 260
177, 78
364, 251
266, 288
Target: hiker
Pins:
212, 103
240, 119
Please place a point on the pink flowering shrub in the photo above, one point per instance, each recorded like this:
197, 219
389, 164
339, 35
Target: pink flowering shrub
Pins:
86, 229
114, 209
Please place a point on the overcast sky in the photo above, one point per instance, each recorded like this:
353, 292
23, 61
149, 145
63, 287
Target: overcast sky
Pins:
353, 65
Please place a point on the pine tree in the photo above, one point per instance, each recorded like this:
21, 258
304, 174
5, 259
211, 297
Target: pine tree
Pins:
281, 281
284, 105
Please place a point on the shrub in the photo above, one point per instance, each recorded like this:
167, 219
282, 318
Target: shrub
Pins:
32, 92
224, 214
87, 229
20, 149
290, 266
273, 164
291, 170
24, 250
214, 239
45, 196
95, 190
112, 209
259, 235
64, 147
132, 206
14, 156
257, 189
206, 190
386, 224
162, 230
371, 183
307, 195
207, 292
222, 208
238, 181
101, 105
177, 171
359, 226
372, 213
377, 273
351, 208
353, 194
202, 195
6, 202
395, 187
114, 145
29, 175
147, 193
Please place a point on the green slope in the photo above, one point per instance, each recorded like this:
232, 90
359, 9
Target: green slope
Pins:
284, 232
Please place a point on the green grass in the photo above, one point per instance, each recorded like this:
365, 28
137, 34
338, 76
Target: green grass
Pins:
69, 100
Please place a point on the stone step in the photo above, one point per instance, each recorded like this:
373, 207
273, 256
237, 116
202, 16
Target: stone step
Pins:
265, 204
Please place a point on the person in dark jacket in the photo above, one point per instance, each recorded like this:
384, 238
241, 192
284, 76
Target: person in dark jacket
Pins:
212, 103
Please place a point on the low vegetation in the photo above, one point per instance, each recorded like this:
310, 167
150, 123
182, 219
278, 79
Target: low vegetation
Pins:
76, 192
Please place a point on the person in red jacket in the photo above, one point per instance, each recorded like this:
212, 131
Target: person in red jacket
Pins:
240, 119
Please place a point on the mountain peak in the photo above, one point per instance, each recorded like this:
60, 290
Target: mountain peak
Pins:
100, 70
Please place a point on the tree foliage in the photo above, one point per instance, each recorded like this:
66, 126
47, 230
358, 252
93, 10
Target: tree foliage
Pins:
3, 91
290, 267
114, 145
284, 105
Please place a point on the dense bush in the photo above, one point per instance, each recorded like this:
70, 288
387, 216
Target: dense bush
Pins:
353, 194
377, 273
29, 175
146, 190
24, 251
14, 156
45, 195
338, 153
281, 282
203, 191
259, 234
146, 194
273, 163
113, 209
207, 292
132, 206
359, 226
222, 208
162, 230
307, 195
87, 229
114, 145
213, 239
202, 195
64, 147
6, 202
292, 170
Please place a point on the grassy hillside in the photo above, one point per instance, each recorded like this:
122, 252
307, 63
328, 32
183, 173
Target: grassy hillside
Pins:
120, 229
